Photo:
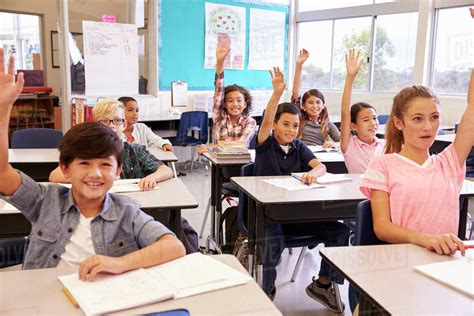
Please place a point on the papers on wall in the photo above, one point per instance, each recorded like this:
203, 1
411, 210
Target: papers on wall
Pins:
267, 39
203, 102
291, 184
456, 273
326, 178
187, 276
225, 24
111, 58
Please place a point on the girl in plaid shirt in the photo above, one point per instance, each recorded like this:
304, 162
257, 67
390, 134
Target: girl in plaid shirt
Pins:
232, 106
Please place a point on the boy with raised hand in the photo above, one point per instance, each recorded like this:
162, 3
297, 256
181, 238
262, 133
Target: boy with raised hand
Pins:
138, 162
281, 153
83, 226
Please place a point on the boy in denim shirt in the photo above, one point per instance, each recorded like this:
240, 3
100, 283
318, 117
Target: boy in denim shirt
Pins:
281, 153
83, 226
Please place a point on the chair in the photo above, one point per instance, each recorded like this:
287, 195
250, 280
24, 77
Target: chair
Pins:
36, 138
12, 250
383, 118
191, 122
364, 236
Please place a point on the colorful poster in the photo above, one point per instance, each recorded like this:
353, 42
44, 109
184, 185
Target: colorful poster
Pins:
267, 39
225, 24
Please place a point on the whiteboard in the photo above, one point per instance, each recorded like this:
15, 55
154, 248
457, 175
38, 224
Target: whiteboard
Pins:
111, 58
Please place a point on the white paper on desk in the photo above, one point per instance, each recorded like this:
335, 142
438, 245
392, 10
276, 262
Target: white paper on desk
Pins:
120, 186
329, 156
326, 178
457, 273
291, 184
186, 276
320, 149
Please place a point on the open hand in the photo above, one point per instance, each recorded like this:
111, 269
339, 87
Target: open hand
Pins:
302, 56
89, 268
278, 80
222, 51
353, 62
9, 89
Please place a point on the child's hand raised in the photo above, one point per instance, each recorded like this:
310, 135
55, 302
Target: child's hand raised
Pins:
9, 89
222, 51
278, 80
302, 56
353, 62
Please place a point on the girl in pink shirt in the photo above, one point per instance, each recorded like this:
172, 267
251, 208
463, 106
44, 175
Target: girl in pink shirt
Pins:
361, 118
415, 196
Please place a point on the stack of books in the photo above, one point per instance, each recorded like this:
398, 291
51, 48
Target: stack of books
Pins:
230, 150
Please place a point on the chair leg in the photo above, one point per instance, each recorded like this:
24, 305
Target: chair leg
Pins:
335, 286
206, 214
469, 218
298, 264
290, 251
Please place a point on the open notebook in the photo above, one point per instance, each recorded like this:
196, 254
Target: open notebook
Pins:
186, 276
120, 186
456, 273
326, 178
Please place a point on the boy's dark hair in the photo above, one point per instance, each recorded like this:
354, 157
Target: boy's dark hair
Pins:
90, 140
285, 107
357, 107
124, 100
245, 93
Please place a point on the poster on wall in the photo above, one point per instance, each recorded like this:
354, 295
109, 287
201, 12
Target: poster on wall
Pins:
225, 24
267, 39
111, 58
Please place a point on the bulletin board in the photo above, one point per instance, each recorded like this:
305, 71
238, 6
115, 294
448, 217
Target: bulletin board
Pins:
181, 29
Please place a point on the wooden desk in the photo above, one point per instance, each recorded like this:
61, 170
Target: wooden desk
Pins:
39, 292
172, 195
333, 202
37, 163
388, 284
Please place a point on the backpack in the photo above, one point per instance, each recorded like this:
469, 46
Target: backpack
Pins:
229, 222
189, 237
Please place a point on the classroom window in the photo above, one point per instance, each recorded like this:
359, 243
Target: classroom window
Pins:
394, 51
453, 51
386, 40
20, 34
310, 5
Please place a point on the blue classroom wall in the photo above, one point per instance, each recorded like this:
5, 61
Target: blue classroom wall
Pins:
181, 43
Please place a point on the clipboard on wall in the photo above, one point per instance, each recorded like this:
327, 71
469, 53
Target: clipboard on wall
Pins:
179, 93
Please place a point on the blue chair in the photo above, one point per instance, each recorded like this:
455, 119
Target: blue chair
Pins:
364, 236
383, 118
12, 250
192, 122
36, 138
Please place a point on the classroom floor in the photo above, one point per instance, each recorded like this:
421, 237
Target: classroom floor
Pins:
291, 298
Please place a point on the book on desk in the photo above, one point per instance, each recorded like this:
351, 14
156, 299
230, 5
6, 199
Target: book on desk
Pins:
187, 276
230, 150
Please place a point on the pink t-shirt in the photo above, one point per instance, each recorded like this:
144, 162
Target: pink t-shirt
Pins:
422, 198
359, 154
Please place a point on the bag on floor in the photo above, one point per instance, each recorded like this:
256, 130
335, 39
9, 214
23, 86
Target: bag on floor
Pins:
229, 222
189, 237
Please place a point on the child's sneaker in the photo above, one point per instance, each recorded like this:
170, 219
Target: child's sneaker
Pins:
327, 297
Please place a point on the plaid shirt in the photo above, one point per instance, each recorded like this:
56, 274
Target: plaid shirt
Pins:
138, 162
223, 128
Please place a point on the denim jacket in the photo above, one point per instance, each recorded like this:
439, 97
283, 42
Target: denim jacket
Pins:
120, 228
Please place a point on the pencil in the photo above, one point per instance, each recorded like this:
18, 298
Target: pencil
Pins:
70, 297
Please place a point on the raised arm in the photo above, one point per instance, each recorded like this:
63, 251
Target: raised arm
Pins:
9, 90
221, 53
278, 83
302, 57
464, 139
353, 63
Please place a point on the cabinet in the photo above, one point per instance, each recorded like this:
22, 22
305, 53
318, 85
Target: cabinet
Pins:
32, 111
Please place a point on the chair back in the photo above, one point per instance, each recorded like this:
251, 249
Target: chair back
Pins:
383, 118
192, 121
253, 141
245, 171
364, 231
36, 138
12, 250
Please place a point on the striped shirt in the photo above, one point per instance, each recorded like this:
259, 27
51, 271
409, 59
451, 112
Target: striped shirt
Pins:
138, 162
223, 127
